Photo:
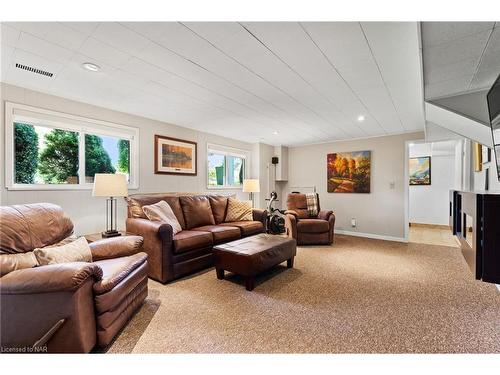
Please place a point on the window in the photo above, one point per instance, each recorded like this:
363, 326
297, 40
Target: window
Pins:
50, 150
226, 167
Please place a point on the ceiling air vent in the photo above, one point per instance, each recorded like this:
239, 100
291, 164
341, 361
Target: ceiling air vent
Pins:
34, 70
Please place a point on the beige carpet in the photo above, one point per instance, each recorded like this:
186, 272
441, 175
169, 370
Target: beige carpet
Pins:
357, 296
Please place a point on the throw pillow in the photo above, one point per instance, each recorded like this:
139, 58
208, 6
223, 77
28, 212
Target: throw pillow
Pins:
14, 262
76, 251
238, 210
162, 211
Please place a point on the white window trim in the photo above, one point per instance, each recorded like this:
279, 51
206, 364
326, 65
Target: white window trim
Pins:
227, 150
75, 123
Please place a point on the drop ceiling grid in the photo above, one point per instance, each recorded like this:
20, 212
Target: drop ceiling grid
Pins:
47, 47
392, 46
336, 40
459, 57
263, 97
284, 39
219, 66
248, 52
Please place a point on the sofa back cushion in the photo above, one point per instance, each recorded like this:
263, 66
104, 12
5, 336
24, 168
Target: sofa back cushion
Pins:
25, 227
136, 201
162, 211
197, 211
297, 203
219, 207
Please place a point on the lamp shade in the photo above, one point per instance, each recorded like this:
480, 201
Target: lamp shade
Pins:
110, 185
251, 186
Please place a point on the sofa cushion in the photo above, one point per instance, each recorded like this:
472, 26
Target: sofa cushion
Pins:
312, 226
298, 203
162, 211
219, 207
221, 233
247, 228
238, 210
197, 211
136, 201
190, 240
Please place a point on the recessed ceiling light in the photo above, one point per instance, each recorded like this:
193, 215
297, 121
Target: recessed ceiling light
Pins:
91, 66
275, 132
361, 118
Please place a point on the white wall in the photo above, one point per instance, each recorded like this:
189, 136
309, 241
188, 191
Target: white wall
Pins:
428, 204
88, 213
381, 213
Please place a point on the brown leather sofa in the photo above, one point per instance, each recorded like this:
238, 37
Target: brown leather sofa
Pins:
308, 230
68, 307
202, 220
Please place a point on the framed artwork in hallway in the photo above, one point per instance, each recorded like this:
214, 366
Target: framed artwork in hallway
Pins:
349, 172
420, 170
175, 156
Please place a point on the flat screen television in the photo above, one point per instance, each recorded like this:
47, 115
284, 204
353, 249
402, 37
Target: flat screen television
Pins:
493, 99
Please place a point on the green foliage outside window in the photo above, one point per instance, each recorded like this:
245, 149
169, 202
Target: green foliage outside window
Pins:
26, 153
58, 161
123, 156
97, 159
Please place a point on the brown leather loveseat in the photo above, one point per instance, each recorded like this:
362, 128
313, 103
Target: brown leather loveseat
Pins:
306, 229
65, 307
202, 220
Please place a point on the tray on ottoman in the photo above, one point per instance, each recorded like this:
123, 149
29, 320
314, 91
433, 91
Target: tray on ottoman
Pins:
252, 255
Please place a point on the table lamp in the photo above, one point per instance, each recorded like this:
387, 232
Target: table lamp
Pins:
111, 186
251, 186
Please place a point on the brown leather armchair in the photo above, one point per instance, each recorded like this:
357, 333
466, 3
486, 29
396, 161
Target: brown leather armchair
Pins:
68, 307
308, 230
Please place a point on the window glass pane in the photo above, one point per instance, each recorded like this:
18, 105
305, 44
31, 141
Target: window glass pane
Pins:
45, 155
236, 170
216, 169
105, 154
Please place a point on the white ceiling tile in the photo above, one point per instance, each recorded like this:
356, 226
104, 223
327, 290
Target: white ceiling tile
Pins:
460, 49
120, 37
456, 85
84, 27
64, 36
450, 71
40, 47
435, 33
102, 52
484, 79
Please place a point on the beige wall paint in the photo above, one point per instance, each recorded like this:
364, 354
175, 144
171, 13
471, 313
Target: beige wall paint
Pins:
379, 213
88, 213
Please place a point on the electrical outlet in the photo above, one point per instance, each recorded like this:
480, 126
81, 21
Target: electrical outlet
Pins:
353, 222
392, 185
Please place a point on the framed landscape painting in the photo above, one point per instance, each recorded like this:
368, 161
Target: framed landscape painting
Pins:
349, 172
420, 170
175, 156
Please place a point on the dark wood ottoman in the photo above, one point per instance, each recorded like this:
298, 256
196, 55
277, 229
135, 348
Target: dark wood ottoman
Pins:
251, 255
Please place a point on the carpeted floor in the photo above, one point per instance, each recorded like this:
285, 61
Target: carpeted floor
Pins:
357, 296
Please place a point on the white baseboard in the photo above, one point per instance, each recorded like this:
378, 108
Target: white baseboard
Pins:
371, 235
498, 286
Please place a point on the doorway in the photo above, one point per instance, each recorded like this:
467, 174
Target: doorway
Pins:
432, 170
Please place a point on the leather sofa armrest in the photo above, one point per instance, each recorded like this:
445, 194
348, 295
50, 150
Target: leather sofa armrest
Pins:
260, 215
157, 243
324, 214
115, 247
291, 224
292, 212
50, 278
